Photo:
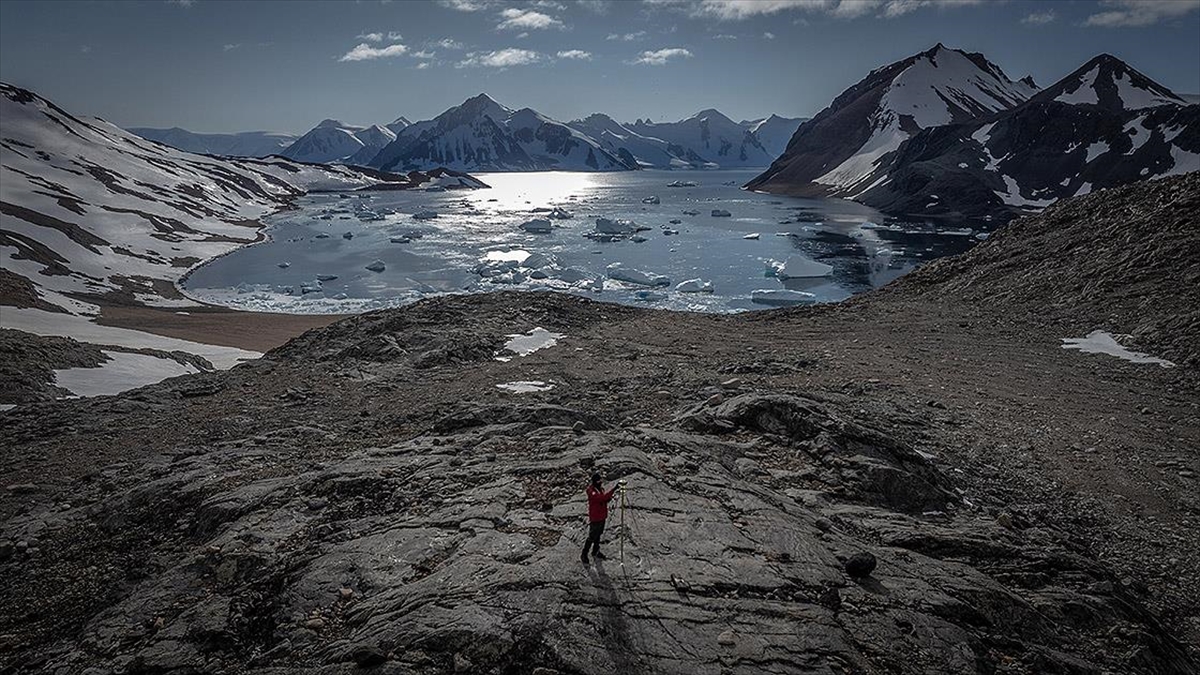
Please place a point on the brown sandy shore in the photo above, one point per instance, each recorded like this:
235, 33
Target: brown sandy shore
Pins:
212, 325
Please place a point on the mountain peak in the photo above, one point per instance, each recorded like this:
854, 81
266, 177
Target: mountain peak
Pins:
330, 124
1110, 83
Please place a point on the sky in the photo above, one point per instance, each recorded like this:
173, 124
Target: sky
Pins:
223, 66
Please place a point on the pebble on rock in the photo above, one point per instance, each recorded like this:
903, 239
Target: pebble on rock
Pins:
726, 638
860, 565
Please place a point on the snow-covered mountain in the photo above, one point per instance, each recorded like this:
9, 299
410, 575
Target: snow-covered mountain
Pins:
373, 138
398, 125
335, 141
89, 211
244, 144
1103, 125
482, 135
774, 132
1110, 83
698, 142
708, 139
838, 151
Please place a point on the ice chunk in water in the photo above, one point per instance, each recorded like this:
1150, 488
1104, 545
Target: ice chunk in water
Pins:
376, 266
752, 235
537, 226
650, 296
721, 213
618, 226
653, 199
780, 296
425, 215
799, 267
695, 286
619, 272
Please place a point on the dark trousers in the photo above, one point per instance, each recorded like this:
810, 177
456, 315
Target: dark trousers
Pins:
595, 530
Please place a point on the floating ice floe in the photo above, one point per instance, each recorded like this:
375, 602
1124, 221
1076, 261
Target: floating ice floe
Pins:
1102, 342
425, 215
537, 226
399, 240
619, 272
348, 235
436, 188
690, 212
799, 267
649, 296
695, 286
560, 214
615, 226
752, 235
720, 213
653, 199
960, 232
525, 386
326, 277
982, 236
780, 296
682, 183
321, 235
284, 265
376, 266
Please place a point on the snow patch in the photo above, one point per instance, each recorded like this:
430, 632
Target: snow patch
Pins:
1102, 342
122, 372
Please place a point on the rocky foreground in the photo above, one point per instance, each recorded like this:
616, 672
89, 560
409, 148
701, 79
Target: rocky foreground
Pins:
365, 498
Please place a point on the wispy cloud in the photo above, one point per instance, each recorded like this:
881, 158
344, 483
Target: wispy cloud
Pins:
660, 57
736, 10
424, 54
597, 6
466, 5
1040, 18
725, 36
576, 54
86, 49
181, 3
1124, 13
526, 19
448, 43
371, 37
768, 35
422, 65
627, 37
502, 58
365, 52
231, 47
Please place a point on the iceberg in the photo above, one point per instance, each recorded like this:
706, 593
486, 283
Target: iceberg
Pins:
425, 215
799, 267
376, 266
618, 226
780, 297
682, 183
284, 265
537, 226
326, 277
619, 272
720, 213
653, 199
695, 286
752, 235
650, 296
560, 214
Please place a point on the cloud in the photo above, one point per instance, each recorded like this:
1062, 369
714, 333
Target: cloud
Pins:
548, 4
597, 6
447, 43
1125, 13
627, 37
423, 54
86, 49
724, 36
523, 19
181, 3
768, 35
660, 57
736, 10
371, 37
1040, 18
230, 47
577, 54
422, 65
365, 52
465, 5
503, 58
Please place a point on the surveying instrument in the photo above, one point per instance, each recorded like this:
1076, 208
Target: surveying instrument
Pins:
623, 502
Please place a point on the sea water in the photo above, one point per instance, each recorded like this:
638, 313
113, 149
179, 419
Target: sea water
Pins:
316, 256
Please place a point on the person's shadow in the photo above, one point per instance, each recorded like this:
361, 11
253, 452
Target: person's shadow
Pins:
614, 625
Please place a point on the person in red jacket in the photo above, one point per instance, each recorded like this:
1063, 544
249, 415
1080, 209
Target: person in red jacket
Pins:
597, 514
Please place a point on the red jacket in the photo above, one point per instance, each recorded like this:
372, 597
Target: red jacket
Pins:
598, 503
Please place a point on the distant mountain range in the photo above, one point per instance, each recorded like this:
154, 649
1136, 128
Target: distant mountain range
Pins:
483, 135
947, 133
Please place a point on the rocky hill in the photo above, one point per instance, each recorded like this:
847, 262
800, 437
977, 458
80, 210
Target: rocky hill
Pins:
911, 482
